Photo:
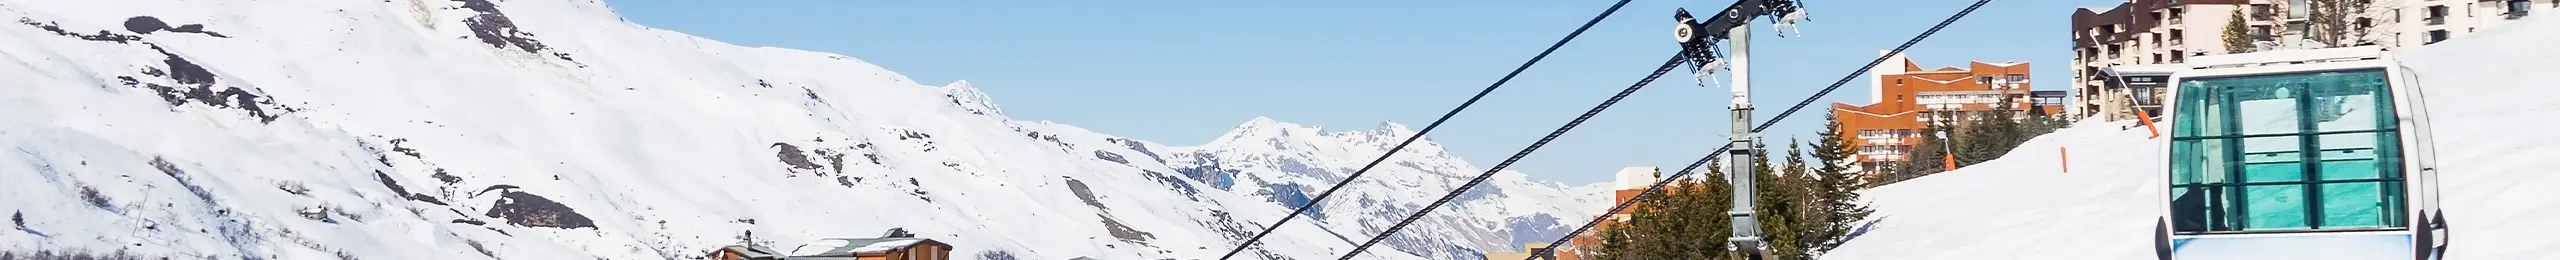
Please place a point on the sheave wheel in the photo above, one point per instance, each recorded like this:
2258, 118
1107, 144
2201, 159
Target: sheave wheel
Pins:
1686, 33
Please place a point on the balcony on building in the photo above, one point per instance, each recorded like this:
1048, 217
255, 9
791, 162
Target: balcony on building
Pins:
2177, 38
2437, 13
2177, 16
2517, 9
2262, 12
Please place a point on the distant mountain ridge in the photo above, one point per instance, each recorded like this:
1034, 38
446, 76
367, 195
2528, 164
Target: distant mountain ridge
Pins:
553, 129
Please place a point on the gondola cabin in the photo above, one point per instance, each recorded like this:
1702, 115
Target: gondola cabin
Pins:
2295, 154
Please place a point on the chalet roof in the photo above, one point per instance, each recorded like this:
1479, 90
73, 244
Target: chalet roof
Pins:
752, 252
856, 246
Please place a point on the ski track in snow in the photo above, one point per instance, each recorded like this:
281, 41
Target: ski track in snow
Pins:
552, 129
2483, 92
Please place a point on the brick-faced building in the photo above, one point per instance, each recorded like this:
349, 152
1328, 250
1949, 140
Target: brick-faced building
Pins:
1903, 100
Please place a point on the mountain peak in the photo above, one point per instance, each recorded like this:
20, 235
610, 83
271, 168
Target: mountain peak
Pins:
1272, 133
1391, 128
1262, 128
970, 99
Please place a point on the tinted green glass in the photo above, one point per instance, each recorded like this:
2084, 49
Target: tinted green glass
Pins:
2273, 207
2282, 130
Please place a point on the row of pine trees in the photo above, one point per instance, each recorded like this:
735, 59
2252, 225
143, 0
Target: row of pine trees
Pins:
1805, 208
1981, 140
1809, 205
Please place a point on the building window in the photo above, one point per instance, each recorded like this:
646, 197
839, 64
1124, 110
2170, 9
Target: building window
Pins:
2434, 36
2518, 8
2436, 14
2262, 33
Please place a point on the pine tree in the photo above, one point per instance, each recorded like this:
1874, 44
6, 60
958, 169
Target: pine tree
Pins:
1924, 159
2333, 22
1992, 136
1837, 188
2235, 35
1615, 243
1713, 197
1684, 220
1775, 209
1707, 200
1653, 224
1807, 202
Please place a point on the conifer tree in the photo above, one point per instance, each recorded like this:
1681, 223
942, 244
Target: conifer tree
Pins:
1704, 232
2235, 35
1652, 224
1775, 209
1925, 157
1615, 243
1683, 220
1836, 186
1708, 200
1716, 196
1807, 203
1991, 136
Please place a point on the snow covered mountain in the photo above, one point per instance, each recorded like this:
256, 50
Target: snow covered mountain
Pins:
1290, 164
542, 129
2498, 192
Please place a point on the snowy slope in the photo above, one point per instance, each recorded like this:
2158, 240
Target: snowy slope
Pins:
2484, 92
540, 129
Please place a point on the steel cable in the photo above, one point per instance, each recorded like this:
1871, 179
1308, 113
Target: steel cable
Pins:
1657, 185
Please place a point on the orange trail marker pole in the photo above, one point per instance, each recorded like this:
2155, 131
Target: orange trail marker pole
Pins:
1951, 162
2066, 159
2146, 123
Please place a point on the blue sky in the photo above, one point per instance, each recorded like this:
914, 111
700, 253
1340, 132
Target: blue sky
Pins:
1183, 72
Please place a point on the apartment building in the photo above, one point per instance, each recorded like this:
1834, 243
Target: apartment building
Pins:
2156, 31
2152, 32
2430, 21
1903, 101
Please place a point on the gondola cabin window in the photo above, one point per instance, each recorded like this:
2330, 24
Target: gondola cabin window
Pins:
2287, 152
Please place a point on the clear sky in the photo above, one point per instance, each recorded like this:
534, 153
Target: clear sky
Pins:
1183, 72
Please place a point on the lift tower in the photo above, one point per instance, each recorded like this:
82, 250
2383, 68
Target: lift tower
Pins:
1697, 40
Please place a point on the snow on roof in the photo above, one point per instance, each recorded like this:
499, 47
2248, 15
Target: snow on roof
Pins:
819, 247
853, 246
1950, 81
886, 245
